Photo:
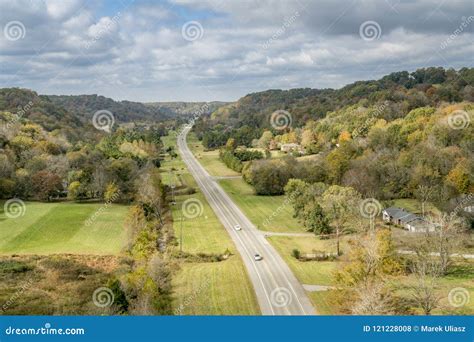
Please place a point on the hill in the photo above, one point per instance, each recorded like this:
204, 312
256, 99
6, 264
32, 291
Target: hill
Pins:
85, 106
403, 91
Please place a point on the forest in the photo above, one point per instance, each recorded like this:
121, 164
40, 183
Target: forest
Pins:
386, 139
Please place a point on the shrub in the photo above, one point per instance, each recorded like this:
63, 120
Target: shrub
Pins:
296, 253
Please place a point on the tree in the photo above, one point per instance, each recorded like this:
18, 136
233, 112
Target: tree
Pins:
459, 177
426, 272
269, 177
296, 191
446, 238
308, 140
46, 185
74, 190
372, 259
231, 144
340, 205
315, 219
111, 192
149, 192
265, 139
424, 194
373, 298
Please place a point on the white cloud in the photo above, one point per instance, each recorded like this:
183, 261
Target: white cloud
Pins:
137, 52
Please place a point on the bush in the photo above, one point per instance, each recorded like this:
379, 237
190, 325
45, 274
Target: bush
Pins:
230, 160
296, 253
235, 159
12, 266
120, 299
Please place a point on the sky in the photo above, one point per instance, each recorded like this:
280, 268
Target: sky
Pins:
186, 50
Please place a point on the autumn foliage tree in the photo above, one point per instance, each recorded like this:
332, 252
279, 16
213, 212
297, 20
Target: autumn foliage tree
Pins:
46, 185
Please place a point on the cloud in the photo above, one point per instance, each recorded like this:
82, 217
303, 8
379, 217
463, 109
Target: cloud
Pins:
135, 50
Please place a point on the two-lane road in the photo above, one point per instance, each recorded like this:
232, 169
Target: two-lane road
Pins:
277, 289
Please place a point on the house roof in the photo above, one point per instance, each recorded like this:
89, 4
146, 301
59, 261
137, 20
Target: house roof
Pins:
395, 212
421, 224
401, 214
405, 217
409, 217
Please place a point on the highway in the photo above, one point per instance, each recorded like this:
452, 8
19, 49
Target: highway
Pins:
277, 289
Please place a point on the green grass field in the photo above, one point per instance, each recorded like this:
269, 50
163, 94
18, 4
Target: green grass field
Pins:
209, 159
307, 272
206, 288
260, 208
310, 272
414, 206
217, 288
50, 228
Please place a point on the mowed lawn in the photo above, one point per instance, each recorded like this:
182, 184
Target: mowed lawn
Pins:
214, 288
311, 272
205, 288
209, 159
273, 210
50, 228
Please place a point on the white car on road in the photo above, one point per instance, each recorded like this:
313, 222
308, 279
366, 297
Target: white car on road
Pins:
257, 257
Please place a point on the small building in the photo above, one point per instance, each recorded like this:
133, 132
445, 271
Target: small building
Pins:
291, 147
407, 220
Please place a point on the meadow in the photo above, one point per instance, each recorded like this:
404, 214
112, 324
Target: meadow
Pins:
268, 213
209, 159
64, 227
